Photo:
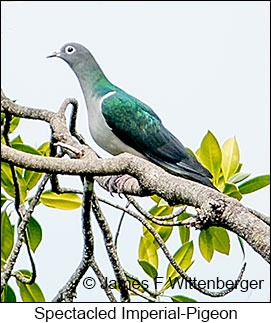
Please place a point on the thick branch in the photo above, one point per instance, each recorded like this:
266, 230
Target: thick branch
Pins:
214, 207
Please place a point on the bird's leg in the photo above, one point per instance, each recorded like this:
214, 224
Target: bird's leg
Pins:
121, 180
111, 182
117, 181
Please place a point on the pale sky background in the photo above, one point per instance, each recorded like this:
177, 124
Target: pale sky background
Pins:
199, 65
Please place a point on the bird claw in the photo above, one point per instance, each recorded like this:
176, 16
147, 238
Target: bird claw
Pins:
118, 182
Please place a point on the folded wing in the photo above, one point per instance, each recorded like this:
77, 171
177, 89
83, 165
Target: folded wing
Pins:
139, 127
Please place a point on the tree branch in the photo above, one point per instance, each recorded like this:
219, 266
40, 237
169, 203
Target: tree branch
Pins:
146, 215
111, 250
119, 226
214, 207
68, 292
25, 216
158, 219
176, 266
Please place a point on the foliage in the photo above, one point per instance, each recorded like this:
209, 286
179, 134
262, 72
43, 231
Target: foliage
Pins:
225, 166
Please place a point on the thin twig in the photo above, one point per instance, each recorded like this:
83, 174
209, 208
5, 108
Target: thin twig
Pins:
17, 197
72, 126
148, 298
60, 190
15, 251
20, 236
119, 226
36, 198
65, 104
19, 208
72, 149
111, 250
148, 215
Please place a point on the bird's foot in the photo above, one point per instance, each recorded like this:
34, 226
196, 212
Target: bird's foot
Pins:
118, 182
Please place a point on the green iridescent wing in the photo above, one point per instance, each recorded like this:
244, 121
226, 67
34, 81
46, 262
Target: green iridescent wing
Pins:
139, 127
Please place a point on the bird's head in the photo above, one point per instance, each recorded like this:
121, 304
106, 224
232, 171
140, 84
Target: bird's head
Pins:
72, 53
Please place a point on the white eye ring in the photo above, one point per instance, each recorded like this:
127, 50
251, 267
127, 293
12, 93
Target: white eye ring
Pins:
69, 50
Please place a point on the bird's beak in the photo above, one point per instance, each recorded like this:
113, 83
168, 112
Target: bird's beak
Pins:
54, 54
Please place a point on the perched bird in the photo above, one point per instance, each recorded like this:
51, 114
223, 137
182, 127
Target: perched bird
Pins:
119, 123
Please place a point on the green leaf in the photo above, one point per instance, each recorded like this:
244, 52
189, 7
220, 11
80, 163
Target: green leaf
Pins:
25, 148
206, 244
236, 195
254, 184
3, 116
221, 240
14, 124
8, 295
210, 154
31, 178
230, 157
34, 231
30, 293
7, 237
231, 190
65, 201
183, 230
17, 139
182, 299
239, 177
7, 181
183, 256
148, 258
155, 198
239, 168
162, 202
163, 231
161, 210
3, 199
159, 201
149, 269
220, 182
22, 183
44, 149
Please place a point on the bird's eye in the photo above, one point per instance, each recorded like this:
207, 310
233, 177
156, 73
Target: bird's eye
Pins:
69, 49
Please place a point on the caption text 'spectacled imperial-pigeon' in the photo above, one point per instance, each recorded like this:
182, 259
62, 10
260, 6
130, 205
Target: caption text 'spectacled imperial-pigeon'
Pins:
120, 123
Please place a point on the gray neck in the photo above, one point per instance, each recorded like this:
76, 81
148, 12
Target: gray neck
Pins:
90, 76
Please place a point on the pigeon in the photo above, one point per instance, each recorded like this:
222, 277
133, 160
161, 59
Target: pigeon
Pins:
119, 122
